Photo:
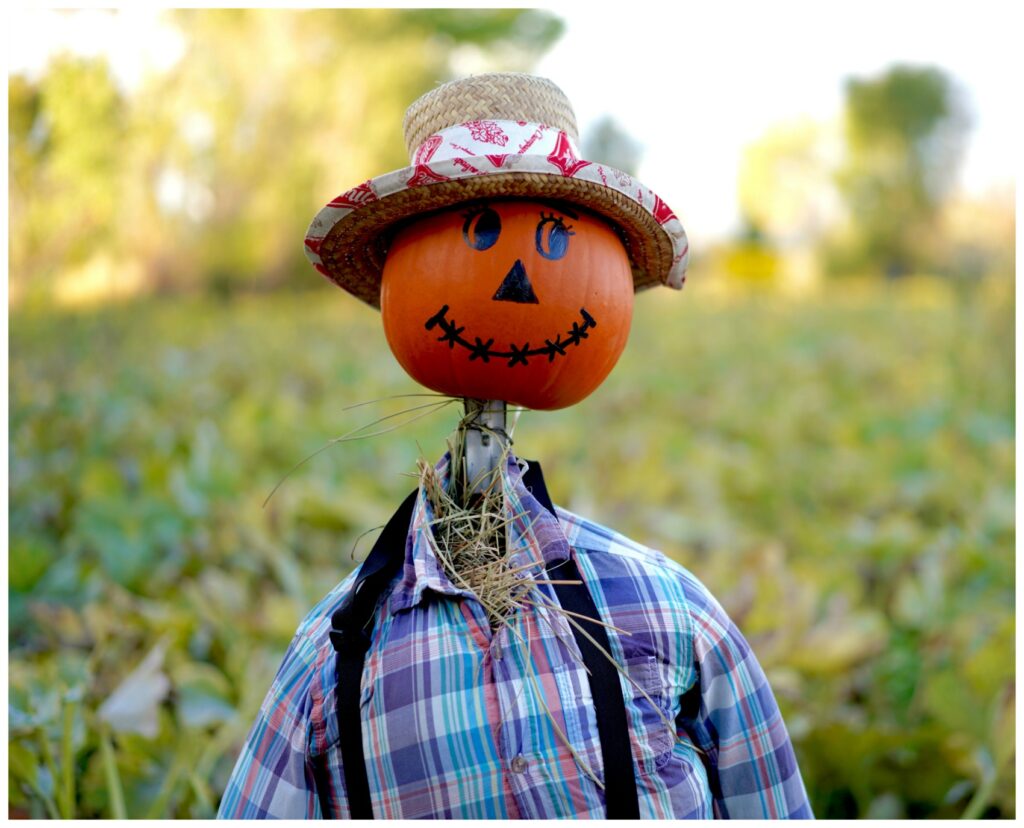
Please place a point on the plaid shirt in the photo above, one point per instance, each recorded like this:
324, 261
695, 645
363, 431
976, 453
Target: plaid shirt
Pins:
462, 723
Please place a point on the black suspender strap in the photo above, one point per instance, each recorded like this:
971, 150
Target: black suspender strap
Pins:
357, 786
609, 708
353, 621
351, 625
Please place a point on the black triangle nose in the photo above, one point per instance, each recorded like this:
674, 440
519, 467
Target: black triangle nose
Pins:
516, 287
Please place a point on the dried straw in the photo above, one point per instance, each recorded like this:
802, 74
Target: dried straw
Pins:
470, 530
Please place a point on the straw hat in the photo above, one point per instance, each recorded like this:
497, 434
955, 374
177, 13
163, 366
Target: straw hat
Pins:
491, 136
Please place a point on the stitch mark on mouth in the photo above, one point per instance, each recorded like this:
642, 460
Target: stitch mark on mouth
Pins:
517, 354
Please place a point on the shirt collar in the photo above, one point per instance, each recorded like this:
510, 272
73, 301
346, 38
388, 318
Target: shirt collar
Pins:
534, 535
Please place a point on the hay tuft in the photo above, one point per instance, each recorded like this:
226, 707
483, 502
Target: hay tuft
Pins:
471, 530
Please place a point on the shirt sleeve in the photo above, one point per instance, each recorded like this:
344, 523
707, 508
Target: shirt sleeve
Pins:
273, 777
733, 717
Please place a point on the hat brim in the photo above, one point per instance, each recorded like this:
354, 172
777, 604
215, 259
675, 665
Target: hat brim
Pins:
348, 239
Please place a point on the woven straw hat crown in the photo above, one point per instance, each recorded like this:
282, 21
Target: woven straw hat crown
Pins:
506, 96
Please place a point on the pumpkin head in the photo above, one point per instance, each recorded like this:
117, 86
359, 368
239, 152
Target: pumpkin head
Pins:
524, 301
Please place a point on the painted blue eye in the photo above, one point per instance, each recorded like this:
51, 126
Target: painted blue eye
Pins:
482, 228
552, 237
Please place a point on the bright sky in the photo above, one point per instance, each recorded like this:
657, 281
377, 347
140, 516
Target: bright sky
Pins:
698, 84
695, 82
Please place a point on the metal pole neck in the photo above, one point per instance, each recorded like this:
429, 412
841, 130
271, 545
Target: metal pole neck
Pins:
485, 441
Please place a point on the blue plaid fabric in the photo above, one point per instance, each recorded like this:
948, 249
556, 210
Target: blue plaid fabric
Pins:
460, 722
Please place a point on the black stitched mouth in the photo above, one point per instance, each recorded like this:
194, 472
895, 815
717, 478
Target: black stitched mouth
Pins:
516, 355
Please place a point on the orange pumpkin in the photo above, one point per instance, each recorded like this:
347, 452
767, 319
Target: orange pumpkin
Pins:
524, 301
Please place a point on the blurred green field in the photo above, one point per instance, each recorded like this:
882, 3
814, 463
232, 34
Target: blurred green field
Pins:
839, 469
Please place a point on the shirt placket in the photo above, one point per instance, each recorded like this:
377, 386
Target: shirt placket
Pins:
514, 729
530, 695
499, 677
528, 669
493, 647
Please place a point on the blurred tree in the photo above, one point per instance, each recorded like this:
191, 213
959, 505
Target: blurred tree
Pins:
786, 183
208, 174
904, 135
609, 143
66, 135
26, 147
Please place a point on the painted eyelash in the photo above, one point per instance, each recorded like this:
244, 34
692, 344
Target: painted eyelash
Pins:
557, 220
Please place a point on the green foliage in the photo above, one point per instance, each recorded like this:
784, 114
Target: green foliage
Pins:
904, 132
839, 471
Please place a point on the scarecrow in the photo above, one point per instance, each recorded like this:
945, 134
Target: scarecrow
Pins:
496, 656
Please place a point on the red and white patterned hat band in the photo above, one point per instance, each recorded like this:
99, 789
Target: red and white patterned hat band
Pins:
494, 140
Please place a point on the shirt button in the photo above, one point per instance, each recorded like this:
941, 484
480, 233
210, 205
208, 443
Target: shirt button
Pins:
519, 764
